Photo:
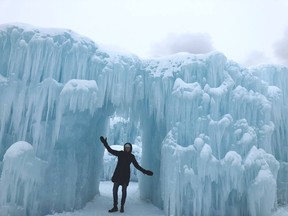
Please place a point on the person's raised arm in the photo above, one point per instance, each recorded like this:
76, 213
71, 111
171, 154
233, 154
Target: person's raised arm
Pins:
109, 149
137, 166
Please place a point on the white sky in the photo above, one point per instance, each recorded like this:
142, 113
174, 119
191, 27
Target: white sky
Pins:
247, 31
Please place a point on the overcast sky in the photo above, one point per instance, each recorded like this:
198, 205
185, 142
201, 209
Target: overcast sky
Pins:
247, 31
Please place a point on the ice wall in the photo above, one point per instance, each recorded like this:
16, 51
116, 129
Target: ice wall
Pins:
212, 131
57, 92
277, 76
122, 130
231, 109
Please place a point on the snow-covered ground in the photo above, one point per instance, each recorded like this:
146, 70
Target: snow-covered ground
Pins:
282, 211
100, 205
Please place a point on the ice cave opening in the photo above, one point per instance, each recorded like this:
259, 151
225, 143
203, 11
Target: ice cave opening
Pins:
120, 131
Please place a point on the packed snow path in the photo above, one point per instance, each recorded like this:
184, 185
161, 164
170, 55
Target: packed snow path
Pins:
100, 205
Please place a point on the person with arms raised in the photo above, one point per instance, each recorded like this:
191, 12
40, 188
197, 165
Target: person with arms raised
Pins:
121, 174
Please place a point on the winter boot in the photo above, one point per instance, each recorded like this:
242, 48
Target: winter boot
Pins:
114, 209
122, 209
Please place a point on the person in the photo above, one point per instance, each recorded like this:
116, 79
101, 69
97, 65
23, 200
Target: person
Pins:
121, 174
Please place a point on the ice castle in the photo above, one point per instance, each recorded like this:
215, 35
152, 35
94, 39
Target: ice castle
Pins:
214, 132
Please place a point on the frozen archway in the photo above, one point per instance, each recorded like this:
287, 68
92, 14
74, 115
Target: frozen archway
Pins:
207, 124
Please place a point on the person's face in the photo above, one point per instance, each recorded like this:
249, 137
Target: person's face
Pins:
127, 148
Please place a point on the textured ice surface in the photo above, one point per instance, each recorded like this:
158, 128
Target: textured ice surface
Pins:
213, 132
21, 180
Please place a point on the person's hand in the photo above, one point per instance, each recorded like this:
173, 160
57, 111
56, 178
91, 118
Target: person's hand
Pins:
148, 172
103, 140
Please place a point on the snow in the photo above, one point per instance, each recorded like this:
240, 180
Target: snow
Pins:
212, 131
2, 78
81, 95
24, 171
103, 202
17, 149
282, 211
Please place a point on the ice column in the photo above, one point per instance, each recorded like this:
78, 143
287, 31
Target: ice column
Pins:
21, 181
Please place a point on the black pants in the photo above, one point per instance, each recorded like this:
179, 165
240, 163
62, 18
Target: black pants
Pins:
115, 193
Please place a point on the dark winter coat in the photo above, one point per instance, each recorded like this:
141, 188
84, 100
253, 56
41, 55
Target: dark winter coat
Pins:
122, 172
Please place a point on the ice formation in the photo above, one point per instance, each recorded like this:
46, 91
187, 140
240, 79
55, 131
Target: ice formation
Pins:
213, 131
